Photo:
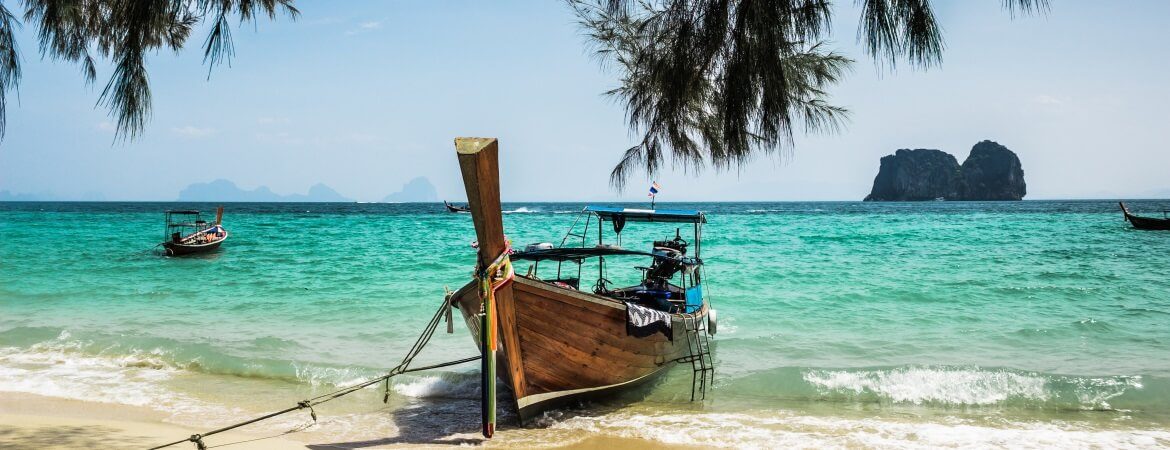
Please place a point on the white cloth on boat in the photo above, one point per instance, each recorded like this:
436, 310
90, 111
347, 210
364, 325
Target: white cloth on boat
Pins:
642, 321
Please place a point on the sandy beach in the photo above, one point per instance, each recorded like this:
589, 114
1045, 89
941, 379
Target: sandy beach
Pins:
37, 422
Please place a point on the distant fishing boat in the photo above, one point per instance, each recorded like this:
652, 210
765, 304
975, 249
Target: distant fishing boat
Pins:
559, 338
187, 233
455, 209
1146, 223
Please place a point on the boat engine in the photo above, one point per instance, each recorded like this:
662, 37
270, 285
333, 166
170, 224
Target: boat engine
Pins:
668, 261
677, 244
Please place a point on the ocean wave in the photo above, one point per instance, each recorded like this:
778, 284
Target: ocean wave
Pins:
131, 379
325, 376
922, 385
450, 386
951, 386
521, 210
168, 355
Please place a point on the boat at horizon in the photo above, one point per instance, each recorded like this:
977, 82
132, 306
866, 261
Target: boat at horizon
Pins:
1146, 223
560, 341
455, 209
187, 233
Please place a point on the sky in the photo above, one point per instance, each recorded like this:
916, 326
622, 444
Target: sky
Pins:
365, 95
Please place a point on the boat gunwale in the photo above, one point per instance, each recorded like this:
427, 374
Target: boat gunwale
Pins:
592, 298
195, 246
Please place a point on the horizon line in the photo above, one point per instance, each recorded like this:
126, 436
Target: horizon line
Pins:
609, 201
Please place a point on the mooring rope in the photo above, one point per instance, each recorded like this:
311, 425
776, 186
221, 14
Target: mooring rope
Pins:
401, 368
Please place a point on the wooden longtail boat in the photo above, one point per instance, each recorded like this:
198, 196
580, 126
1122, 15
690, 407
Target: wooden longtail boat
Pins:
455, 209
559, 343
187, 233
1145, 223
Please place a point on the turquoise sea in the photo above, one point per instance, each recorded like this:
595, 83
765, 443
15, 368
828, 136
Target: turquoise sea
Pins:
842, 324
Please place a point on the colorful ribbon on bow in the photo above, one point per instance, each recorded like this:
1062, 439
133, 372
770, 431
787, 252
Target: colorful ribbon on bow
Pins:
491, 279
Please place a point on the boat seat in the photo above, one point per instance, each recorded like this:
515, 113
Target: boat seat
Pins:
568, 283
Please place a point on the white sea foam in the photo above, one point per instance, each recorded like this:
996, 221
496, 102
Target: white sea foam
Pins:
972, 386
521, 210
439, 387
948, 386
58, 369
330, 376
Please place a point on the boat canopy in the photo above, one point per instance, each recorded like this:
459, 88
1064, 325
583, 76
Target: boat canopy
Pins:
578, 254
612, 213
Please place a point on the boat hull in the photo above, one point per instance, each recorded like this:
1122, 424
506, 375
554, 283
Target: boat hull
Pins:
1145, 223
175, 249
573, 345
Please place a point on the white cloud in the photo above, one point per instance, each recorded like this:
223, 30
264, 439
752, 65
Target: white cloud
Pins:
105, 126
1047, 100
364, 27
193, 132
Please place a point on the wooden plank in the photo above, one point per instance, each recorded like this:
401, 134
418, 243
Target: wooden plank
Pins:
582, 371
543, 318
601, 343
479, 164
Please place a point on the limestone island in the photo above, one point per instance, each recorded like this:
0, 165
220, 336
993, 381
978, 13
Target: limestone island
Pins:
991, 172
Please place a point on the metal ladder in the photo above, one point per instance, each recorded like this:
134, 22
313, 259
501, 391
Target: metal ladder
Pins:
581, 235
699, 347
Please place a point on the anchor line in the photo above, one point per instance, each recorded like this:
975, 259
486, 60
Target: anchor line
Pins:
401, 368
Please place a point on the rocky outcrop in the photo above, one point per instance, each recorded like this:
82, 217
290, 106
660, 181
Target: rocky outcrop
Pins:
991, 172
915, 175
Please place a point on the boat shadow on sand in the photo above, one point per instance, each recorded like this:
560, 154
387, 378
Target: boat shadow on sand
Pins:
456, 421
433, 421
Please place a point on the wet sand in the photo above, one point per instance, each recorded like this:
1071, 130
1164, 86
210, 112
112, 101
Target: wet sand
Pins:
36, 422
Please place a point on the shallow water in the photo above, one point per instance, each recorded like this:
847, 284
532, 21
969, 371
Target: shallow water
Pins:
1038, 323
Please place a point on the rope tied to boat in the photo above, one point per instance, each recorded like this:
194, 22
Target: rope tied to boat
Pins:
401, 368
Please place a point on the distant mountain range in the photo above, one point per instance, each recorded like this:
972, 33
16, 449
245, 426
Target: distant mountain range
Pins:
226, 191
417, 190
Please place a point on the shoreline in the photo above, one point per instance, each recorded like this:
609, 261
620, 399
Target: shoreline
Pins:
30, 421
